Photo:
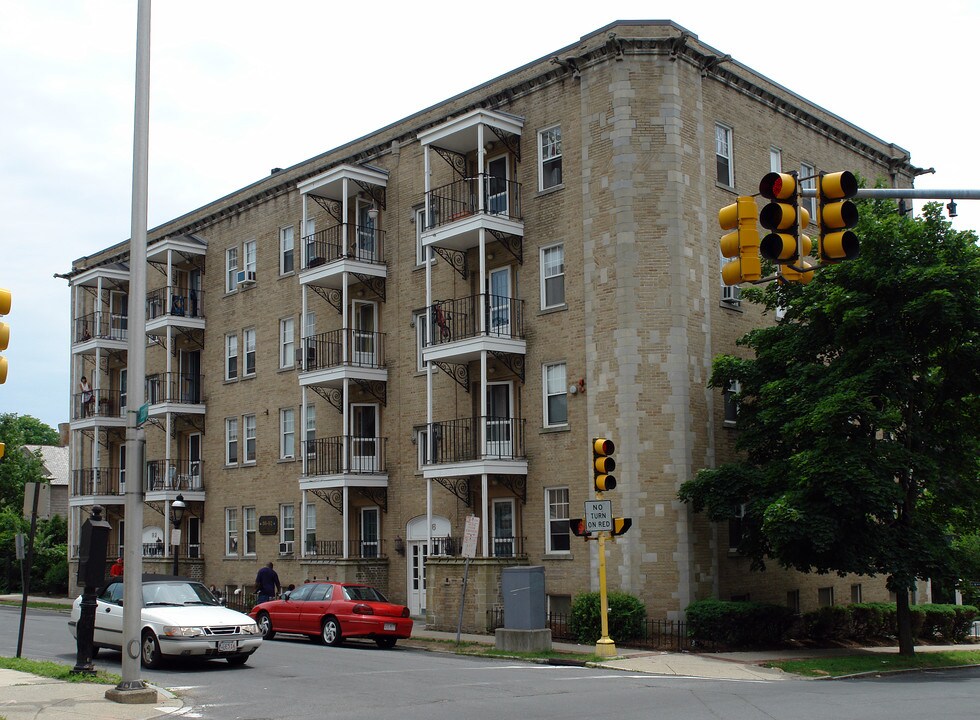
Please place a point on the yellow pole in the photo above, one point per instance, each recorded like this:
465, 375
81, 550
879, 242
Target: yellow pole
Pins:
604, 647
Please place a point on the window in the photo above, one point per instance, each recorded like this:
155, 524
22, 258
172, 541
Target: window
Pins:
856, 593
287, 342
249, 422
552, 276
250, 523
369, 532
249, 252
825, 596
231, 531
231, 357
808, 181
231, 269
287, 523
723, 155
731, 295
421, 336
549, 158
422, 443
775, 159
310, 539
731, 402
557, 534
310, 430
555, 395
249, 342
421, 252
231, 441
736, 527
287, 433
287, 252
123, 386
793, 600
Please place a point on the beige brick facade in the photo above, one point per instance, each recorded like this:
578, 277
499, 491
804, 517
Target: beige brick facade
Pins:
635, 213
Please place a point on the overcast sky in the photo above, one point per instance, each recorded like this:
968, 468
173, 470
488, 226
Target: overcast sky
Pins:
239, 87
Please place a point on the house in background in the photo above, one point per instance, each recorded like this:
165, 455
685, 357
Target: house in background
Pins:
55, 470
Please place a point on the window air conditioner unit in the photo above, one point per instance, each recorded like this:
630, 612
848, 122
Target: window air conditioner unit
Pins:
286, 548
246, 277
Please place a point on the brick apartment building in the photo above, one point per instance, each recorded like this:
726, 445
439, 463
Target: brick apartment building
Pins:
352, 355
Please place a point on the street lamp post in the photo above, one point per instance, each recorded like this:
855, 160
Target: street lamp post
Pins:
177, 509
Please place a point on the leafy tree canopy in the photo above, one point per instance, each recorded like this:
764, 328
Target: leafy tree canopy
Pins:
26, 430
16, 468
859, 411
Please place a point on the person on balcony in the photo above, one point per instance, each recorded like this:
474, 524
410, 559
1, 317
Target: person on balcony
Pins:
88, 397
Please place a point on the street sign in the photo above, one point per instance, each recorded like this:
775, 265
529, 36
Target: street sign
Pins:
43, 491
598, 516
143, 414
470, 533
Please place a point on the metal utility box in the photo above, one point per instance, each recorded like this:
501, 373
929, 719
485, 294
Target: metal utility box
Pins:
524, 597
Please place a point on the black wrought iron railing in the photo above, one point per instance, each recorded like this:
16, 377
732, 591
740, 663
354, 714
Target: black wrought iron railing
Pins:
344, 242
345, 454
460, 199
357, 549
327, 350
482, 438
176, 474
97, 481
100, 326
175, 301
468, 317
97, 403
174, 387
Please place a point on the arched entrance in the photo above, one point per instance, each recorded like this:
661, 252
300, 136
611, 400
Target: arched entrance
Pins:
416, 551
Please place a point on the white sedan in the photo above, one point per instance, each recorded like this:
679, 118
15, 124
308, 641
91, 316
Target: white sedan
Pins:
180, 619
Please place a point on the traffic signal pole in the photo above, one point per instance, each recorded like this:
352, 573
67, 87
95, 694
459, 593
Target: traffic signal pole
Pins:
604, 647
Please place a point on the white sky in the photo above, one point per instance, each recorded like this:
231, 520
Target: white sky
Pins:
239, 87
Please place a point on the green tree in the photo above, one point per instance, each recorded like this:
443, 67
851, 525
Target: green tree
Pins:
27, 430
16, 468
859, 417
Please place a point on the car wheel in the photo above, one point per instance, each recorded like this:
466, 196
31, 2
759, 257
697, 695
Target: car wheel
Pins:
330, 632
265, 625
386, 643
152, 658
239, 659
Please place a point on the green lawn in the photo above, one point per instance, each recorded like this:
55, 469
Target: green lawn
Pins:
46, 668
875, 662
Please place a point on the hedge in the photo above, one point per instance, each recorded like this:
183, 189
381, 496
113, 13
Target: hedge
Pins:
626, 617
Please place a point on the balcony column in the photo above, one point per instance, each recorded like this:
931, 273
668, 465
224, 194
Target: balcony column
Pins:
346, 522
480, 168
485, 511
302, 507
483, 451
170, 282
344, 240
484, 296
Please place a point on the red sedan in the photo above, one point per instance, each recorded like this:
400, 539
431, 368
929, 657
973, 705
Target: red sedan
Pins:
330, 612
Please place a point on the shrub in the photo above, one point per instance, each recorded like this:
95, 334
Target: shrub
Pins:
627, 616
945, 622
828, 623
872, 620
738, 623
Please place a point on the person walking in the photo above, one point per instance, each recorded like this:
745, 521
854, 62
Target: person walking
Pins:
267, 584
117, 568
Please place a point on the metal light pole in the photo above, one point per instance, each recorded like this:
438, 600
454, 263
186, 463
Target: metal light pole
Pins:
177, 509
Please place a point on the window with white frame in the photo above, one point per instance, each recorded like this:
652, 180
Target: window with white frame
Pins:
231, 531
231, 269
731, 402
248, 250
555, 395
723, 155
287, 523
249, 426
731, 295
231, 441
309, 332
549, 158
421, 336
250, 528
421, 252
775, 159
287, 250
231, 357
310, 430
287, 433
287, 342
825, 596
808, 181
557, 533
552, 276
248, 336
310, 529
422, 443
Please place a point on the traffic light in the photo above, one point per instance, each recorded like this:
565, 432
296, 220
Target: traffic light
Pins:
742, 243
836, 215
4, 334
603, 464
577, 526
621, 525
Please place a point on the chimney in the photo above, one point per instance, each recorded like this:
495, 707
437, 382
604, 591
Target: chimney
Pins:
63, 434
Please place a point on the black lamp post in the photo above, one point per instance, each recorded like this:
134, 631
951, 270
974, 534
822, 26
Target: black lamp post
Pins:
177, 508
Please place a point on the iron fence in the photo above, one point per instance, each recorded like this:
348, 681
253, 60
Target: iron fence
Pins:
459, 199
326, 350
346, 241
345, 454
460, 318
481, 438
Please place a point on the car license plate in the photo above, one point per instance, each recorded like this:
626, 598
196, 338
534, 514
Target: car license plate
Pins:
390, 626
227, 646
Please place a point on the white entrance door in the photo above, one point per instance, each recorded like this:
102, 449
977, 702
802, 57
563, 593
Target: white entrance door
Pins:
498, 302
365, 323
499, 436
118, 315
416, 545
367, 235
496, 185
194, 460
503, 527
364, 438
369, 532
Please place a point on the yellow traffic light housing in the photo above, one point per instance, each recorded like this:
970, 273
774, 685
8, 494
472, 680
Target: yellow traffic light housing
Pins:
741, 218
621, 526
577, 526
603, 464
4, 333
785, 219
836, 214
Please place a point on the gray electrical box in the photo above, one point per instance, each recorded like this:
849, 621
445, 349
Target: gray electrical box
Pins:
524, 597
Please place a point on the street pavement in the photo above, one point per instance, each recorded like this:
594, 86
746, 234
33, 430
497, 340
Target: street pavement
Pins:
28, 697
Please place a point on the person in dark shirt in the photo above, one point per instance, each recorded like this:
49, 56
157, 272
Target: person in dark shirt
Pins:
267, 583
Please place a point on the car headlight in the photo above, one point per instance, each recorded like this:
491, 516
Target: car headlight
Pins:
182, 631
252, 629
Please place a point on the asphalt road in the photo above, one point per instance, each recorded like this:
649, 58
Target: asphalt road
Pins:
293, 678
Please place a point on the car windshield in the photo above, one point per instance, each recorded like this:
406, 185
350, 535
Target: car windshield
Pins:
362, 592
176, 593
